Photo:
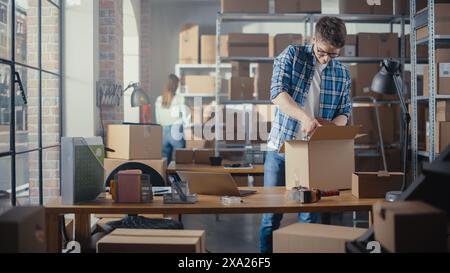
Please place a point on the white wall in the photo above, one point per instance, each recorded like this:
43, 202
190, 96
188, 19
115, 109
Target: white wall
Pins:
131, 30
81, 68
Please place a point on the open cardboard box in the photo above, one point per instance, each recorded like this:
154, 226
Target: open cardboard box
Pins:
326, 161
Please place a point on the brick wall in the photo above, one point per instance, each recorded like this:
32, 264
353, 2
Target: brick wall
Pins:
145, 51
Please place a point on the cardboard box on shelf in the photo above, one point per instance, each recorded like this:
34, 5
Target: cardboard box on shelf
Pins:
375, 185
330, 146
298, 6
362, 76
263, 80
184, 156
282, 41
208, 49
201, 156
134, 141
366, 7
422, 50
378, 45
405, 227
200, 84
402, 6
350, 47
189, 44
241, 88
443, 79
153, 241
442, 136
248, 6
314, 238
240, 69
245, 45
442, 25
159, 165
443, 111
366, 118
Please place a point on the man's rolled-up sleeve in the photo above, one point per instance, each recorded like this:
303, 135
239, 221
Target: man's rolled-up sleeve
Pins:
282, 72
345, 108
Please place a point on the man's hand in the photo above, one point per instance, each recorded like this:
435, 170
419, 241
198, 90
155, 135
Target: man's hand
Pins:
309, 125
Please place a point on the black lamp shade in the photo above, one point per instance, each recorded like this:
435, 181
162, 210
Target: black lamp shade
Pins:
139, 98
383, 82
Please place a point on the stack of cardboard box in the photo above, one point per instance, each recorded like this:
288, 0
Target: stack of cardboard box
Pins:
135, 143
193, 156
241, 86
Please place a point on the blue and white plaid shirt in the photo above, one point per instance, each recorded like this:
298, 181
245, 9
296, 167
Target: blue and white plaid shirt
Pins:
293, 73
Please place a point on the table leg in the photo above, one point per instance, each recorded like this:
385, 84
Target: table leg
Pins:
53, 233
82, 227
370, 218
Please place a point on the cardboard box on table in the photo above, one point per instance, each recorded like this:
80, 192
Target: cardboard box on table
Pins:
325, 162
159, 165
314, 238
375, 185
410, 227
134, 141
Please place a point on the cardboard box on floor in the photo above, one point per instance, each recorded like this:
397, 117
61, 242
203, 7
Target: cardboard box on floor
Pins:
365, 7
375, 184
282, 41
245, 45
200, 84
314, 238
442, 25
153, 241
325, 162
201, 156
378, 45
298, 6
134, 141
263, 80
247, 6
405, 227
189, 44
159, 165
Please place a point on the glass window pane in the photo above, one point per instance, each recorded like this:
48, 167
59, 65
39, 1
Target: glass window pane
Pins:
27, 114
50, 173
27, 32
5, 29
50, 110
5, 182
27, 178
5, 107
50, 37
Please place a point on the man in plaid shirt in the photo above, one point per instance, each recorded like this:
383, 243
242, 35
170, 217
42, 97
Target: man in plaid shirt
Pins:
310, 88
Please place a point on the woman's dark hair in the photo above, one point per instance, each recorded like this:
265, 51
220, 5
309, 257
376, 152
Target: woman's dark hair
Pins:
170, 90
332, 31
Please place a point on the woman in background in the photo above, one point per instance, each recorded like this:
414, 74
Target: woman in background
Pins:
171, 114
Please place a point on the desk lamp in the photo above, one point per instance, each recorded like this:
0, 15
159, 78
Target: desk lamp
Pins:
388, 82
140, 99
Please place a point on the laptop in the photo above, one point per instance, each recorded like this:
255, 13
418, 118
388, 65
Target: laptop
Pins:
220, 184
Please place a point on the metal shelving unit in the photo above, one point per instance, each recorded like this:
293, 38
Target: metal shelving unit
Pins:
426, 18
309, 20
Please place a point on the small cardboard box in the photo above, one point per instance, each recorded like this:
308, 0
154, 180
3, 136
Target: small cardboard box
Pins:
241, 88
184, 156
263, 80
200, 84
247, 6
365, 7
240, 69
314, 238
282, 41
410, 227
152, 241
189, 44
159, 165
330, 148
378, 45
350, 47
201, 156
134, 141
443, 111
245, 45
375, 185
362, 76
298, 6
208, 49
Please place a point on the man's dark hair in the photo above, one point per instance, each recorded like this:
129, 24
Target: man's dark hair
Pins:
331, 30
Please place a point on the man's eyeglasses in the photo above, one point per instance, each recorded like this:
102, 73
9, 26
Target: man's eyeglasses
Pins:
322, 53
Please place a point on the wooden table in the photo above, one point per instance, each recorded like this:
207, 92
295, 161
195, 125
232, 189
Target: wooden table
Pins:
173, 168
266, 200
